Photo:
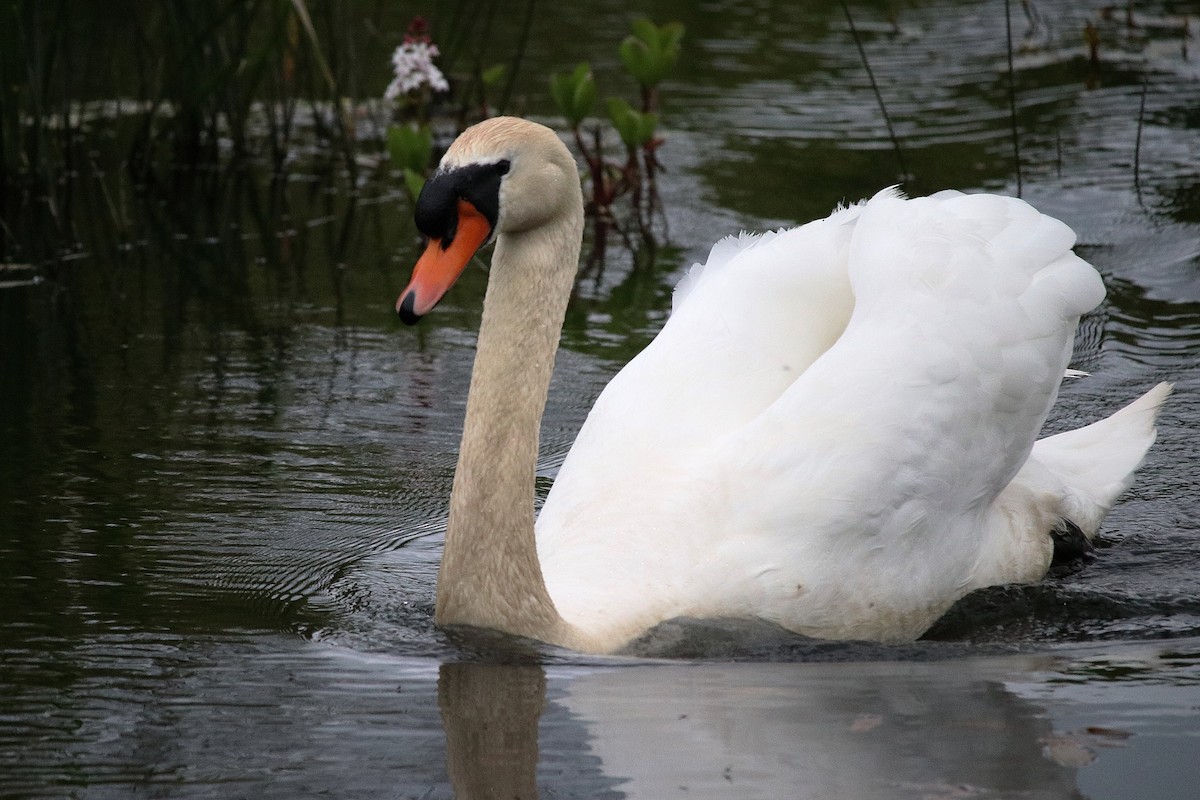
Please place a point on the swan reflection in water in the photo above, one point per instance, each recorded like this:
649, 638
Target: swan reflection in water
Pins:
491, 714
866, 730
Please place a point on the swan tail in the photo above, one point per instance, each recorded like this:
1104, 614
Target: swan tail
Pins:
1096, 463
1047, 517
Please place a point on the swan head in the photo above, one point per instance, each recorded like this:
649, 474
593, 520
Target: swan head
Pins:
502, 176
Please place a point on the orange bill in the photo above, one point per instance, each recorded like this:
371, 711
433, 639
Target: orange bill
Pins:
440, 265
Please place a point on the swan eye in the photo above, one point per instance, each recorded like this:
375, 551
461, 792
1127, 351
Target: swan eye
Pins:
502, 167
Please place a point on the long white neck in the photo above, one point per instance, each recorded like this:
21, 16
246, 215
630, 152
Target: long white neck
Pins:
490, 576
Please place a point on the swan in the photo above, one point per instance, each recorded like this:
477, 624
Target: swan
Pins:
834, 431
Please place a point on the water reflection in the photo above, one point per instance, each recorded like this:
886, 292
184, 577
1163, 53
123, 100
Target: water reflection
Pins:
268, 717
847, 730
970, 728
491, 714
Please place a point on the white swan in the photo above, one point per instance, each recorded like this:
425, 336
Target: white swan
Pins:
834, 431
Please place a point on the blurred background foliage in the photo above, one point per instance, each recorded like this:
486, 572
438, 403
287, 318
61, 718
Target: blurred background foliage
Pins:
136, 122
151, 100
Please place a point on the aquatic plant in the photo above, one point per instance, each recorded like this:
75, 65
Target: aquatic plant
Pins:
415, 76
410, 149
415, 81
422, 93
648, 55
186, 90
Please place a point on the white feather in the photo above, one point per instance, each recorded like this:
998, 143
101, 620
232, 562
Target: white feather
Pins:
834, 428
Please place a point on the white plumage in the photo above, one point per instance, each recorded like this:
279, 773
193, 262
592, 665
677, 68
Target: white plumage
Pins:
824, 432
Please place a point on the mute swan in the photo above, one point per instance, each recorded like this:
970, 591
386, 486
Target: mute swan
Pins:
834, 431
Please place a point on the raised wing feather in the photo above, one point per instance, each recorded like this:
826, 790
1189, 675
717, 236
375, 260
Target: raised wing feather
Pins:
824, 423
744, 326
887, 454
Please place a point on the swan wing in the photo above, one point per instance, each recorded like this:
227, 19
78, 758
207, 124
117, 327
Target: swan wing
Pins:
819, 433
867, 485
743, 326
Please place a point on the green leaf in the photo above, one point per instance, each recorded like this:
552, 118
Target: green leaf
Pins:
636, 58
584, 98
651, 51
561, 90
671, 36
492, 75
574, 94
646, 127
645, 30
414, 182
410, 146
627, 121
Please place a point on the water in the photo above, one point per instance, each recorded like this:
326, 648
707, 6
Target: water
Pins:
224, 466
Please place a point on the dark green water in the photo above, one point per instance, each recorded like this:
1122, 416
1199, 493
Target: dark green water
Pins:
224, 465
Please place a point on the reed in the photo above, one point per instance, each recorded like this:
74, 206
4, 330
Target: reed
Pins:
1012, 97
166, 95
905, 175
